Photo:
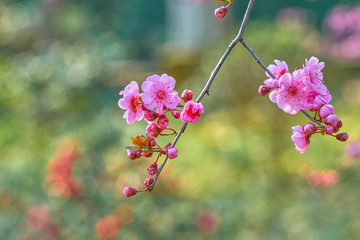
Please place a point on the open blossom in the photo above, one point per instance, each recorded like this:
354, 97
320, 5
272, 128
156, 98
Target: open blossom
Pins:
191, 112
290, 94
300, 139
278, 70
131, 102
158, 91
313, 76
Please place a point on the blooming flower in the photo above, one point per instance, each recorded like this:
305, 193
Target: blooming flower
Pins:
131, 102
300, 139
290, 94
313, 76
158, 91
191, 112
279, 69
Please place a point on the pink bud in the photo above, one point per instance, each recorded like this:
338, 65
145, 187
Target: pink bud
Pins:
153, 129
150, 115
326, 110
332, 120
133, 154
129, 191
342, 136
310, 128
220, 12
163, 121
172, 152
187, 95
176, 113
329, 129
152, 169
148, 181
264, 89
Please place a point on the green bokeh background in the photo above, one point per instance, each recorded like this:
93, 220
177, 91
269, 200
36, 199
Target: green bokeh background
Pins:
62, 65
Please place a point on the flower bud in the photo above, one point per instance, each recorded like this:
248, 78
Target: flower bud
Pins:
147, 154
326, 110
150, 115
187, 95
329, 129
176, 113
342, 136
220, 12
172, 152
264, 89
152, 169
152, 142
129, 191
310, 128
163, 121
153, 129
148, 181
133, 154
332, 120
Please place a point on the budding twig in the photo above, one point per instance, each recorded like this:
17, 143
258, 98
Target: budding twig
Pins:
238, 38
209, 82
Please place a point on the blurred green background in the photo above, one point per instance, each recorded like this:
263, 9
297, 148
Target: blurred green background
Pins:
238, 175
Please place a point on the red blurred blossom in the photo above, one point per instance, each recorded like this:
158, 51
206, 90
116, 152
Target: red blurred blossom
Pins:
59, 173
322, 179
107, 227
207, 222
38, 218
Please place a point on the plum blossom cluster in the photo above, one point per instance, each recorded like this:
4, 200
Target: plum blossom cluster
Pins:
303, 89
221, 11
158, 101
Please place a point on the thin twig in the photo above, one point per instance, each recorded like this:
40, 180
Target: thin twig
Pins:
209, 82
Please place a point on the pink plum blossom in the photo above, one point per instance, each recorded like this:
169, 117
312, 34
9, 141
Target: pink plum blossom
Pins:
191, 112
300, 139
290, 94
279, 69
132, 103
158, 91
313, 76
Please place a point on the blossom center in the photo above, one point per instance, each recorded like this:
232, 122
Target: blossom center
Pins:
292, 90
282, 72
161, 94
135, 103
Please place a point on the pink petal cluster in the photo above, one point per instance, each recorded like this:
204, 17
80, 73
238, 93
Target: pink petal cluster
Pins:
158, 98
300, 138
191, 112
301, 90
158, 91
131, 102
